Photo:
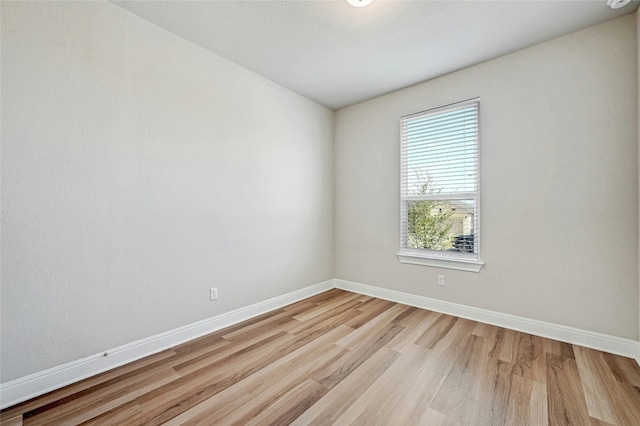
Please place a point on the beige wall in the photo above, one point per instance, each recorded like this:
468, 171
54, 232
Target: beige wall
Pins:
138, 170
638, 120
559, 192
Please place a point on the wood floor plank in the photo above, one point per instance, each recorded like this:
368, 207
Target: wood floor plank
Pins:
364, 298
376, 305
432, 418
381, 321
531, 361
133, 414
595, 387
15, 420
505, 345
334, 374
190, 363
603, 393
336, 316
565, 400
121, 385
405, 318
90, 385
326, 296
402, 394
493, 392
625, 370
456, 337
248, 397
270, 398
558, 348
377, 403
327, 307
368, 310
280, 322
485, 330
94, 405
203, 341
291, 405
462, 382
527, 403
627, 405
173, 399
286, 374
434, 371
415, 325
342, 396
344, 358
437, 331
299, 306
596, 422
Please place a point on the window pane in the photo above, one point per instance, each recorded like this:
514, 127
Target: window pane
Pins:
441, 225
441, 148
439, 151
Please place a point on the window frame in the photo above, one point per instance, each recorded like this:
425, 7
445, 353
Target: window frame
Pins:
444, 259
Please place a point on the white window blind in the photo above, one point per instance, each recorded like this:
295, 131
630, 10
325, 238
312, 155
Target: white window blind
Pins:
440, 182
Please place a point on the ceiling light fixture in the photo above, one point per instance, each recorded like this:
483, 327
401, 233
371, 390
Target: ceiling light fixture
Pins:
362, 3
617, 4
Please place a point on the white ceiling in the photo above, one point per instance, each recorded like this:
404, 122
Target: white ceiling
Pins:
338, 55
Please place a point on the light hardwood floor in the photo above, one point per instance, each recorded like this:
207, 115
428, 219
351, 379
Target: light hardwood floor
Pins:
343, 358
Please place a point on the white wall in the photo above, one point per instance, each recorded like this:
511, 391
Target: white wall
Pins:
559, 150
138, 170
638, 120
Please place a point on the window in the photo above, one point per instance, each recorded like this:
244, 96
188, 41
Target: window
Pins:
440, 194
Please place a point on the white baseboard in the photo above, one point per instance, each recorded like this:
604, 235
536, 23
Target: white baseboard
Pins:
39, 383
603, 342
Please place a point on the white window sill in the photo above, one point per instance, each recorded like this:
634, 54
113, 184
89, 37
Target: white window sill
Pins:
461, 264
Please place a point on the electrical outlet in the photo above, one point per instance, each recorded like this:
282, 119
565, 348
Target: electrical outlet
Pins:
440, 279
213, 293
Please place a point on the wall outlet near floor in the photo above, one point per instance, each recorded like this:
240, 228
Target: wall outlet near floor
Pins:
213, 293
440, 279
